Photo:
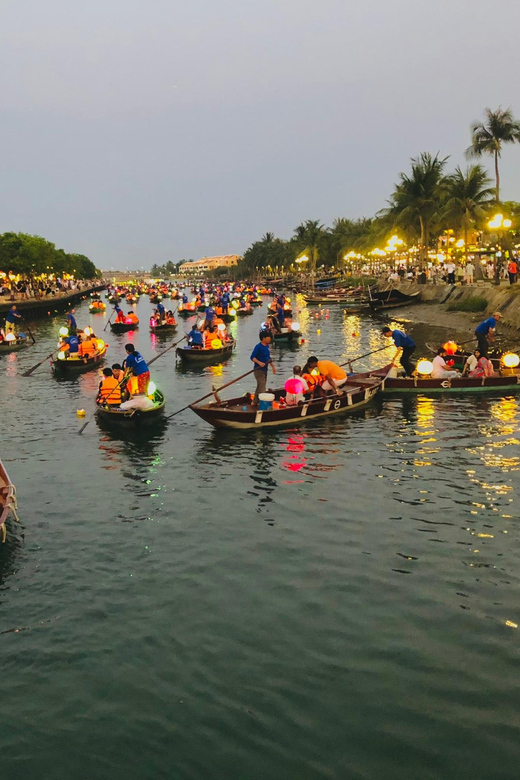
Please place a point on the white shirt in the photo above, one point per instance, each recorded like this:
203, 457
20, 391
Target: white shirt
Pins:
450, 267
470, 269
471, 363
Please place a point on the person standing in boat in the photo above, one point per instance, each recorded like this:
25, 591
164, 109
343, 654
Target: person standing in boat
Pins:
12, 316
486, 332
135, 364
71, 321
404, 343
120, 317
161, 312
261, 357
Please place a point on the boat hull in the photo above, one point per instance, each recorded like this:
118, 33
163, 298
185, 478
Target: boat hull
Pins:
13, 347
507, 383
123, 327
78, 366
132, 418
205, 355
163, 329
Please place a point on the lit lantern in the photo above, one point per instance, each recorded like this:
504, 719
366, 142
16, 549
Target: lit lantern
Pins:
61, 355
425, 367
451, 347
88, 331
216, 344
64, 331
295, 326
10, 337
510, 360
151, 388
221, 326
294, 385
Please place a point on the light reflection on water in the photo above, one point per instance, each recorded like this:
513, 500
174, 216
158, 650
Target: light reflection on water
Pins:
278, 599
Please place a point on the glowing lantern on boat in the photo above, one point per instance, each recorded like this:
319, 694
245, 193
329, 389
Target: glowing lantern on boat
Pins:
216, 344
510, 360
10, 337
294, 386
295, 326
425, 367
61, 355
451, 347
151, 388
64, 331
88, 331
221, 326
235, 304
232, 312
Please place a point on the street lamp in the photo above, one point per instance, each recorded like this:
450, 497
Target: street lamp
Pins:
497, 224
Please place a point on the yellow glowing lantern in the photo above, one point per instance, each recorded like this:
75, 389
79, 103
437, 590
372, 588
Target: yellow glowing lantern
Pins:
88, 331
216, 344
64, 331
424, 367
80, 413
510, 360
61, 355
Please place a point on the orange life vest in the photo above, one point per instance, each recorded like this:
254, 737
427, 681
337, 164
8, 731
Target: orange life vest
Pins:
132, 318
87, 347
110, 392
313, 380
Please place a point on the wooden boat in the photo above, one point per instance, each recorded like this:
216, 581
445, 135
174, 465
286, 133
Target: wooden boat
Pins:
190, 355
123, 327
79, 364
244, 312
357, 309
256, 302
133, 418
14, 345
163, 328
227, 317
97, 307
8, 503
287, 335
155, 298
507, 382
113, 298
132, 298
188, 310
391, 299
239, 413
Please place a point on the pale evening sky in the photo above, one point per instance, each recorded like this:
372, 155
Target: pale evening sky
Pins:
138, 132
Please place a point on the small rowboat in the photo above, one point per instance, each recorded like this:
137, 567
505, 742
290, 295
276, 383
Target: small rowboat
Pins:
227, 317
239, 413
287, 311
123, 327
97, 307
163, 328
391, 299
244, 312
186, 311
8, 504
132, 418
79, 364
357, 309
155, 298
14, 345
507, 382
190, 355
113, 298
132, 298
287, 335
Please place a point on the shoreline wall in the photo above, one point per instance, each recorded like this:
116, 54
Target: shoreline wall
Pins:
46, 307
503, 298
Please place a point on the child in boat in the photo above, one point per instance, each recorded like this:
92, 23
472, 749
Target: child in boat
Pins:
292, 398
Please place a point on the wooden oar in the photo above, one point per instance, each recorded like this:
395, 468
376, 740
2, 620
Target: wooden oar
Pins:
166, 350
108, 323
108, 396
30, 332
30, 370
209, 394
348, 362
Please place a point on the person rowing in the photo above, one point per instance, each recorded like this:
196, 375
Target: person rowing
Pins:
195, 338
120, 317
135, 365
160, 311
486, 332
71, 321
70, 344
334, 376
407, 346
12, 316
261, 358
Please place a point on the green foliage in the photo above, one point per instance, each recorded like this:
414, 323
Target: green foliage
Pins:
475, 303
168, 269
488, 137
33, 255
268, 253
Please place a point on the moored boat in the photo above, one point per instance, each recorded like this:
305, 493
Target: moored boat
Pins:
358, 391
391, 299
8, 504
133, 418
507, 381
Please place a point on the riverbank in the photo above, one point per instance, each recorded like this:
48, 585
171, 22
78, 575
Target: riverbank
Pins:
51, 304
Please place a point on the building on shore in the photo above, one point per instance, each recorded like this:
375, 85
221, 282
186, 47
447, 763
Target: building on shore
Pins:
209, 264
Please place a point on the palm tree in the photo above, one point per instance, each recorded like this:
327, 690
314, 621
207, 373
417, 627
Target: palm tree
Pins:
417, 198
467, 198
309, 237
499, 128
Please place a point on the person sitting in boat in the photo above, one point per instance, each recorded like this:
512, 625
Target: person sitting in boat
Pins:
132, 318
483, 368
272, 324
471, 362
135, 367
88, 347
195, 338
70, 344
211, 336
170, 318
441, 370
109, 392
221, 328
334, 376
407, 346
293, 395
118, 372
120, 317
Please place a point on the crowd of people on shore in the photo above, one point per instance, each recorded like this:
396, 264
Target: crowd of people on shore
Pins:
452, 272
28, 289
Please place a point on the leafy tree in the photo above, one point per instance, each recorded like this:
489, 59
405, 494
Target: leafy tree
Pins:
467, 199
269, 252
310, 238
488, 137
417, 198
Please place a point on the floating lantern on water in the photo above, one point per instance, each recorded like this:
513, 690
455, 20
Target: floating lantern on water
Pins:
510, 360
80, 413
424, 367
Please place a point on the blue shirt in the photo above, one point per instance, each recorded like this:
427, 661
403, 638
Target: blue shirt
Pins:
485, 326
73, 343
136, 362
263, 353
280, 313
185, 299
160, 309
117, 309
210, 313
401, 339
12, 316
72, 321
225, 299
195, 336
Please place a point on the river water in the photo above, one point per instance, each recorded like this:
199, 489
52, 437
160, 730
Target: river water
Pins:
338, 600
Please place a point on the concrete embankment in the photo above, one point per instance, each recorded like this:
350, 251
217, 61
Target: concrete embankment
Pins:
45, 307
442, 304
